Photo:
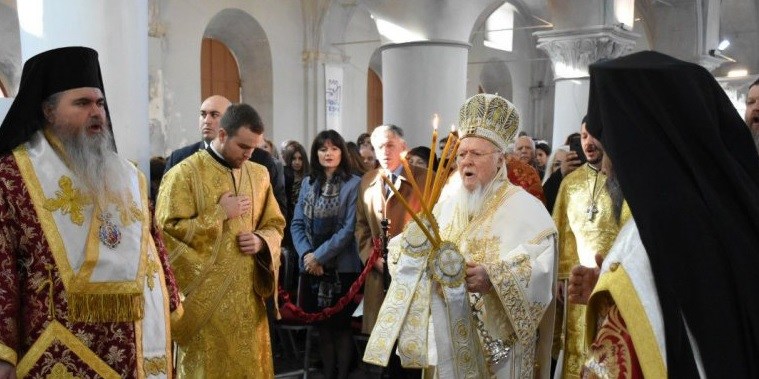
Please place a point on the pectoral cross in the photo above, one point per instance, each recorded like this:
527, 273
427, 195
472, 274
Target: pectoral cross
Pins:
591, 211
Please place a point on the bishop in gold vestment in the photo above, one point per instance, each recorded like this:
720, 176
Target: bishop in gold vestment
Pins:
587, 226
224, 330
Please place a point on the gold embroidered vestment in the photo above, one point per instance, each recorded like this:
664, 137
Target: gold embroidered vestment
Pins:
224, 330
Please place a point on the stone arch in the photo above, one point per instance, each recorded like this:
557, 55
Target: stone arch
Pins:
522, 75
247, 40
495, 77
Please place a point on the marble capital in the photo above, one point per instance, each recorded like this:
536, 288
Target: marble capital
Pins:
572, 51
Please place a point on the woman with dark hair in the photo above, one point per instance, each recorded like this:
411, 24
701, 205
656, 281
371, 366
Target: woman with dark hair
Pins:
296, 167
355, 159
420, 157
322, 232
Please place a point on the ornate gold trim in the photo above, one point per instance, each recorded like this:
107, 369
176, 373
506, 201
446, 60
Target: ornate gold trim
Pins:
179, 311
49, 228
155, 366
56, 331
622, 290
446, 265
7, 354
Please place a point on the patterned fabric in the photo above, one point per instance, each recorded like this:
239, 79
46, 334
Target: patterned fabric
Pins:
224, 331
525, 176
580, 238
512, 237
612, 355
28, 277
321, 208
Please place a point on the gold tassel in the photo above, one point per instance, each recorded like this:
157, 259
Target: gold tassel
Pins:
91, 307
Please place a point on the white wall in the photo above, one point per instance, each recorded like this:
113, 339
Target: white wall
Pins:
355, 70
520, 65
185, 22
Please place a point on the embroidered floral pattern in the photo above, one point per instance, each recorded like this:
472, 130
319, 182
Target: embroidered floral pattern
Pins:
68, 200
24, 256
612, 354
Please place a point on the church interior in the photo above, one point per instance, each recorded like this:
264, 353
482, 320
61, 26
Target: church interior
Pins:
350, 65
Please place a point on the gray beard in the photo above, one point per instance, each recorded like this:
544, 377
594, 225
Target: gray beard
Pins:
617, 197
95, 163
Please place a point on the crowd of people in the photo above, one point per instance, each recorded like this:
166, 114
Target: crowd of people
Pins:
627, 251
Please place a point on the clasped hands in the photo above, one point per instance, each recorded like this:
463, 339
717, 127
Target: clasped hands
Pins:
312, 266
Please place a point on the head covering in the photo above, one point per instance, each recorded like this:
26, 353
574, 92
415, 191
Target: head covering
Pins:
690, 174
490, 117
46, 74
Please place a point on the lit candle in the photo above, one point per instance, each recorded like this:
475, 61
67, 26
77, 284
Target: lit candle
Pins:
448, 170
435, 243
430, 162
445, 159
417, 191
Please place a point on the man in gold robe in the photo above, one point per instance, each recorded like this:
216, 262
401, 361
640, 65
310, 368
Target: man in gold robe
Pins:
223, 229
85, 289
584, 217
481, 304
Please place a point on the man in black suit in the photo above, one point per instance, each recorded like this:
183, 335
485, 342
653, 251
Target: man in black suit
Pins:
211, 111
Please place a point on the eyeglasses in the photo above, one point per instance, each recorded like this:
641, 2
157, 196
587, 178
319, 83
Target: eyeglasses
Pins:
476, 155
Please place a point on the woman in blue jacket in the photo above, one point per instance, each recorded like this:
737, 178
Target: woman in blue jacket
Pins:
322, 231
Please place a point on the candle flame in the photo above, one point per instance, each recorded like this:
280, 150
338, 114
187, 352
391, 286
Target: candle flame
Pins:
435, 121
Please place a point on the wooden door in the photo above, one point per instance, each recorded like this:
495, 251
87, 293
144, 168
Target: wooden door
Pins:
373, 101
219, 74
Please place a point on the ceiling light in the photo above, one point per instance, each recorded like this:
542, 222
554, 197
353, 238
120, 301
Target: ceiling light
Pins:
723, 45
737, 73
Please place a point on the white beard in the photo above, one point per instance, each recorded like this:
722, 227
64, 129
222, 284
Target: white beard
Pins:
470, 202
95, 163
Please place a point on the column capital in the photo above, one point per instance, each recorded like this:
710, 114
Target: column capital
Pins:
572, 50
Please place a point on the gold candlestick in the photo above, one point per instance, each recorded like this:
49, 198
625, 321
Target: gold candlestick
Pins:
435, 243
418, 192
431, 161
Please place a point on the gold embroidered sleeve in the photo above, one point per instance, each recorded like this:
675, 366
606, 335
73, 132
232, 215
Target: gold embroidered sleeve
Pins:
567, 245
270, 228
186, 230
522, 282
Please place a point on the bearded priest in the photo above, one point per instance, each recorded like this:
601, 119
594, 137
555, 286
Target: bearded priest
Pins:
488, 287
85, 289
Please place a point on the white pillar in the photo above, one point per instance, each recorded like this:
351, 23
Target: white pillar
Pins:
421, 79
118, 30
571, 52
424, 60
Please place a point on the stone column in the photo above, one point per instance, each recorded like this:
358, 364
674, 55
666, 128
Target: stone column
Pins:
425, 46
571, 52
118, 30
